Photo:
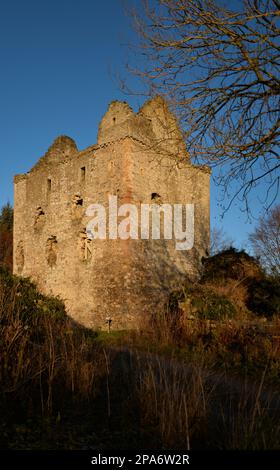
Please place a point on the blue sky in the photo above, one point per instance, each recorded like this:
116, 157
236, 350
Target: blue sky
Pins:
59, 60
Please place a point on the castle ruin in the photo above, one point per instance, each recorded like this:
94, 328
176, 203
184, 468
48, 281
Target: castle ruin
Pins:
140, 158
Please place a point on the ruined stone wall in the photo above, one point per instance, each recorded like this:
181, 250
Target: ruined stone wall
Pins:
140, 158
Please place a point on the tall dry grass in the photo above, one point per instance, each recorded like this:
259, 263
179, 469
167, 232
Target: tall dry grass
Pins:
215, 384
193, 409
48, 365
46, 362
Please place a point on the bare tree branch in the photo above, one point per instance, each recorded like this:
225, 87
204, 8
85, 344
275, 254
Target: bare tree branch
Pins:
266, 241
219, 68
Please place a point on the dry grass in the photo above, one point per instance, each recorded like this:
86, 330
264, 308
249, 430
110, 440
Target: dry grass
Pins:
192, 409
45, 360
174, 402
49, 366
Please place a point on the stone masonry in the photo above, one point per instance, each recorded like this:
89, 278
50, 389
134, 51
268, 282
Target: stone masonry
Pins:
139, 157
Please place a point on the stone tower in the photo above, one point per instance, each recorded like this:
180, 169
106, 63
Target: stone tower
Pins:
140, 158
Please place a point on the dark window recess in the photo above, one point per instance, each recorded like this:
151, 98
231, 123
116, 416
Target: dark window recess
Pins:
49, 185
83, 173
39, 212
78, 201
155, 196
114, 120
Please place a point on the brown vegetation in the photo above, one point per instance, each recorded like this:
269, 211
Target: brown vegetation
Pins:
6, 237
204, 376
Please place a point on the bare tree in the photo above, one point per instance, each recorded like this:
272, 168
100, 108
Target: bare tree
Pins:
219, 67
220, 241
266, 241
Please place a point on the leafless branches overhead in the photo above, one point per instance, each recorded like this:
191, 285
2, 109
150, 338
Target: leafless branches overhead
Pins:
219, 66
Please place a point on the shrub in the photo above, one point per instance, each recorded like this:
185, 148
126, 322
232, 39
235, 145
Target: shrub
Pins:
212, 306
6, 237
202, 301
231, 264
264, 297
28, 303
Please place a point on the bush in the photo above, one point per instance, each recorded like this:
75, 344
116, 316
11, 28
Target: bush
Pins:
28, 304
6, 237
264, 297
203, 302
212, 306
231, 264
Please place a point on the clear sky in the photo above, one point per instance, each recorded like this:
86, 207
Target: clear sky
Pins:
59, 60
